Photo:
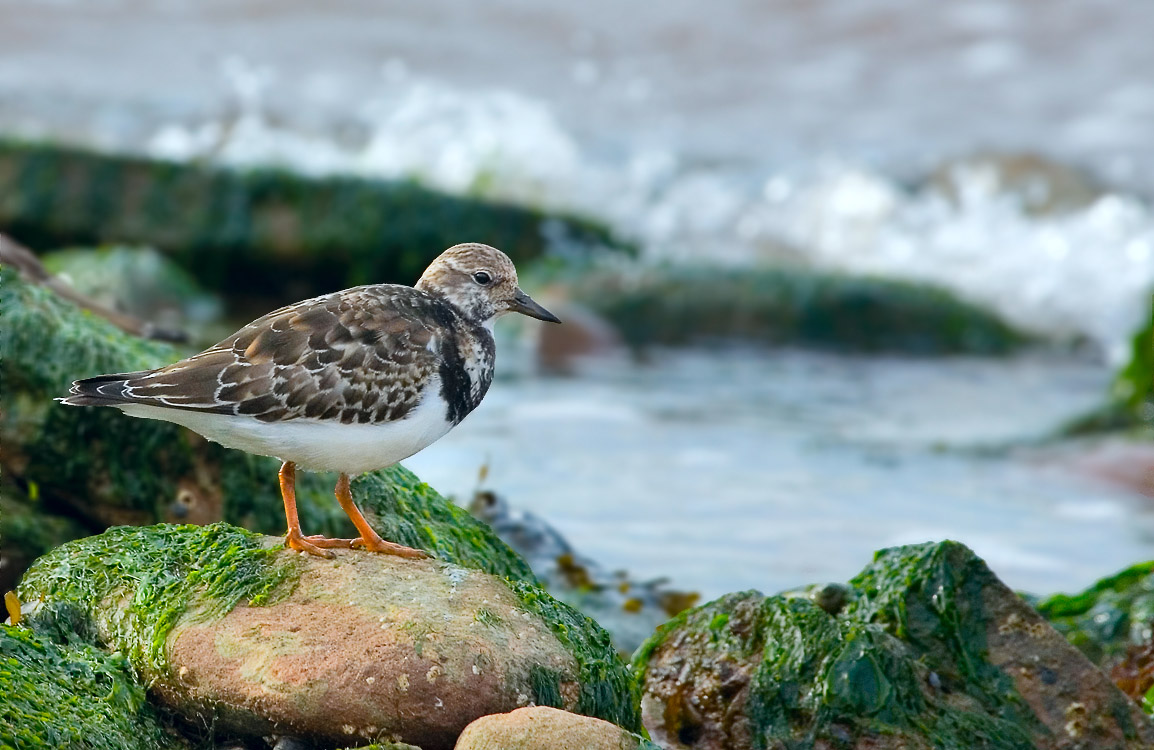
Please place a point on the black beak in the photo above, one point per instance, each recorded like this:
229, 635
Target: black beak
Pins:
525, 305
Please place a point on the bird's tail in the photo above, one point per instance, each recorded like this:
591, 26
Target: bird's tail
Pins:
102, 390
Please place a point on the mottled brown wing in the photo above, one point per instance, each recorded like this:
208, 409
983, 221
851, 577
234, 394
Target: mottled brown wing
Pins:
358, 356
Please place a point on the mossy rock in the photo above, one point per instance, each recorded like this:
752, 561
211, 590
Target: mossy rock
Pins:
138, 281
109, 469
230, 226
151, 592
74, 696
1108, 617
777, 306
1131, 402
930, 651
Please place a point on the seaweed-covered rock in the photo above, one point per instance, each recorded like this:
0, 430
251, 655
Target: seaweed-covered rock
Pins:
56, 696
678, 305
229, 225
931, 650
107, 468
227, 626
138, 281
545, 728
1105, 619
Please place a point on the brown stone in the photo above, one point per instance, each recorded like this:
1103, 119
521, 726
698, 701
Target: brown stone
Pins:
373, 647
544, 728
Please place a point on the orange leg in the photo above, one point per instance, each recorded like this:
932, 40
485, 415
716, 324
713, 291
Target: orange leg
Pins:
368, 539
288, 492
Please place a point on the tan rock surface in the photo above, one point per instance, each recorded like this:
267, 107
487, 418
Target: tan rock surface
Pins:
544, 728
373, 647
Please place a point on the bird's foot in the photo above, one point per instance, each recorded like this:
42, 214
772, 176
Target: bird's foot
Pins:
372, 545
307, 544
388, 548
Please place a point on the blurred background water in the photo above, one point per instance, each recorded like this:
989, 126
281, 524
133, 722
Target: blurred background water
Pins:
832, 135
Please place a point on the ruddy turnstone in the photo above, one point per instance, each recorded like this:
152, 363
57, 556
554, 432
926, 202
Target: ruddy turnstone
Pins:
348, 382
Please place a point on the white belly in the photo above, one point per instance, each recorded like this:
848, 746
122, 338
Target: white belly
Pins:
315, 445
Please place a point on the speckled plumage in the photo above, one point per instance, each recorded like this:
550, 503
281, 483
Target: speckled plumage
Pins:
363, 355
348, 382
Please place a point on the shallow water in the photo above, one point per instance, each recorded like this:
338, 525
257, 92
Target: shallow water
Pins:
735, 469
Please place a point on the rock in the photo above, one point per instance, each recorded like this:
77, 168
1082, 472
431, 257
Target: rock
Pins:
545, 728
141, 282
230, 629
630, 610
932, 650
585, 334
1104, 620
682, 305
72, 696
106, 468
229, 226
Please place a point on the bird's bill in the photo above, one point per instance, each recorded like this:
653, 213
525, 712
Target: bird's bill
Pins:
524, 304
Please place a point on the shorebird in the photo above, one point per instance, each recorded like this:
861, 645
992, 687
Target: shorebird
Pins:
349, 382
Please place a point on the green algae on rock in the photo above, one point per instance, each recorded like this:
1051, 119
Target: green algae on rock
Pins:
228, 225
226, 624
673, 305
75, 696
1114, 613
133, 583
930, 651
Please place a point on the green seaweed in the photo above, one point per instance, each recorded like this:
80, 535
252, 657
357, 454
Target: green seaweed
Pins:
678, 305
228, 226
608, 690
54, 696
134, 583
1106, 618
546, 686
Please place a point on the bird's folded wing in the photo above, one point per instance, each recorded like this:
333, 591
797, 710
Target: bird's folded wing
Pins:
364, 355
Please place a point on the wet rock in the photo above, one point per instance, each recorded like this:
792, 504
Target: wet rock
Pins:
72, 696
1104, 620
932, 651
1134, 675
1040, 186
682, 305
630, 610
544, 728
585, 334
230, 226
138, 281
105, 468
231, 630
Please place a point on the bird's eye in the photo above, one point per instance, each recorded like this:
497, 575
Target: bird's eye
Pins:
482, 277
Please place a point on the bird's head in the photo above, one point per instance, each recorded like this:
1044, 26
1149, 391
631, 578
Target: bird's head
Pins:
481, 282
